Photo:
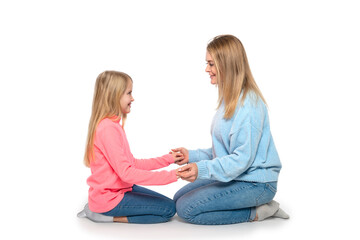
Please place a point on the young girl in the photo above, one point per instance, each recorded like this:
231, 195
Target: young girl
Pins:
236, 179
114, 170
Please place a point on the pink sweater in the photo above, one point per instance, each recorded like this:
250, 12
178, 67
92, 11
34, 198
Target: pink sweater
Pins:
115, 170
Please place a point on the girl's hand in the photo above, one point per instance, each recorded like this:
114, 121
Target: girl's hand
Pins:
188, 172
177, 156
185, 154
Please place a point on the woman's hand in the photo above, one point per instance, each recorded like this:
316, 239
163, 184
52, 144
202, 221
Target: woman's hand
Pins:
188, 172
185, 154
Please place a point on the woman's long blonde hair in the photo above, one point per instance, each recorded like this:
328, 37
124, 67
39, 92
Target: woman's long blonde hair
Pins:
233, 72
109, 87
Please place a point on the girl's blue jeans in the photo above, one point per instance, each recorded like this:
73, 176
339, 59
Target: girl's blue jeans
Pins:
142, 205
210, 202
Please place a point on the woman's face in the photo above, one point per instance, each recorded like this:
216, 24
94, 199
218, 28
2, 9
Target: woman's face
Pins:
210, 68
126, 99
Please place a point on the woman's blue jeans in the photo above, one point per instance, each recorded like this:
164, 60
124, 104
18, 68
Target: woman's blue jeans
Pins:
142, 205
209, 202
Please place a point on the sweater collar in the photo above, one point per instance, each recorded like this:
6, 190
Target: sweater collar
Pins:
115, 118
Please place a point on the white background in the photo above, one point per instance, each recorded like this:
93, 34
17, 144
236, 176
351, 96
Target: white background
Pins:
304, 56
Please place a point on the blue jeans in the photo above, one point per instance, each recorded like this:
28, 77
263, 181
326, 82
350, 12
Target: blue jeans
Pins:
209, 202
142, 205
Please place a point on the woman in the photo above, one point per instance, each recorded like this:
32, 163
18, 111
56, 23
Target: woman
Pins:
236, 179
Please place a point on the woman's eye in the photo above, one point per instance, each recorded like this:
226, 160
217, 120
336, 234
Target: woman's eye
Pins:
210, 64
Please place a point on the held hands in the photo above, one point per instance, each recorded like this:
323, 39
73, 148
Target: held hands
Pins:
178, 157
184, 153
188, 172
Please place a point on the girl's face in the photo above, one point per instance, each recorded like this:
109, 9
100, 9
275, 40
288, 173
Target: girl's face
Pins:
126, 99
210, 68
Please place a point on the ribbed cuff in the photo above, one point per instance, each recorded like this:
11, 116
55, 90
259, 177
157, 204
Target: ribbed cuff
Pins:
203, 172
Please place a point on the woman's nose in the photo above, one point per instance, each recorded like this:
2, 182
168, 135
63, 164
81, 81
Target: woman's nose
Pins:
207, 69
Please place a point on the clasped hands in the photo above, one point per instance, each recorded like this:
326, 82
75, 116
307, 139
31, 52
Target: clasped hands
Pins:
189, 172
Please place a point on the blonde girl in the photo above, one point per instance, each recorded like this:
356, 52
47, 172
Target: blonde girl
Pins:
235, 180
114, 195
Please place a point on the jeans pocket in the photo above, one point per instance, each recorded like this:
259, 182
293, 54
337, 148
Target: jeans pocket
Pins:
272, 186
267, 194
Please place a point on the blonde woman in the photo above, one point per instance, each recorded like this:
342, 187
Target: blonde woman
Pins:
235, 180
113, 193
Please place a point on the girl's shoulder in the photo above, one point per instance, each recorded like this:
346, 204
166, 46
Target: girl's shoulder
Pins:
107, 123
108, 130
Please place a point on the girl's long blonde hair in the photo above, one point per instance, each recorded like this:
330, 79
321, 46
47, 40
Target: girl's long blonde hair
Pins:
233, 72
109, 87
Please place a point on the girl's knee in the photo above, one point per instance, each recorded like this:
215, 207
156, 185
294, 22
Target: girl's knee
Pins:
170, 210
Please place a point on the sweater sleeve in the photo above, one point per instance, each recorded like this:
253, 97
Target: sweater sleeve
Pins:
116, 150
200, 154
229, 167
154, 163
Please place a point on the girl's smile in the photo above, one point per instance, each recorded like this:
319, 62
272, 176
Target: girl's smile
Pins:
127, 99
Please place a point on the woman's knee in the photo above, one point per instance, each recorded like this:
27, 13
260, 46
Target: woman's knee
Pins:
176, 196
191, 187
181, 192
184, 209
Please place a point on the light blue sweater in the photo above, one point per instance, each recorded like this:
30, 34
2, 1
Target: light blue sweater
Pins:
242, 147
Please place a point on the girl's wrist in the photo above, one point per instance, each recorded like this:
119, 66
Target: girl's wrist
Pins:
169, 158
173, 172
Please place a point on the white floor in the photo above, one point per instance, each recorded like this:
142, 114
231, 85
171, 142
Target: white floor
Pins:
62, 223
304, 56
177, 229
297, 227
304, 223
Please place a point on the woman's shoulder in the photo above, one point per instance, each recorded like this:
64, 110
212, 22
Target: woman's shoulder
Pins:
252, 111
252, 104
252, 100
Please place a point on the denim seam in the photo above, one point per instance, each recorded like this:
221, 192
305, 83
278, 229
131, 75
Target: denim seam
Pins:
266, 187
166, 210
257, 199
271, 188
130, 218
